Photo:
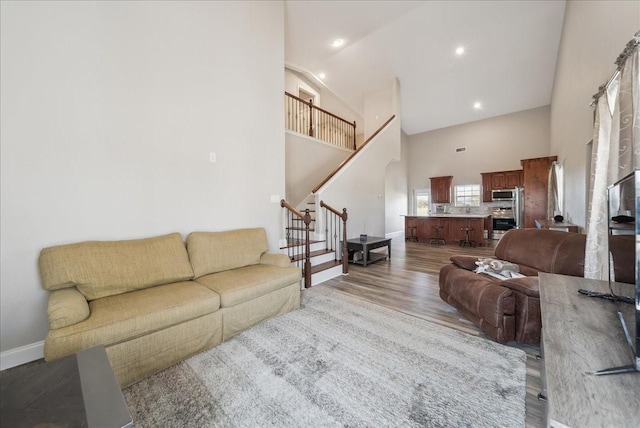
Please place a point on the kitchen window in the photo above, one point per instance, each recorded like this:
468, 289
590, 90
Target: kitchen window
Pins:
466, 195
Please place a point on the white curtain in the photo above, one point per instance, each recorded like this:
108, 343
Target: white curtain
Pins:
553, 197
616, 153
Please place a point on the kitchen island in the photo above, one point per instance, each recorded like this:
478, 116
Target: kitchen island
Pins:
449, 227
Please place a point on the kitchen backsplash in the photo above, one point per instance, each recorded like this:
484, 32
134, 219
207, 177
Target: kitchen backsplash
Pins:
484, 208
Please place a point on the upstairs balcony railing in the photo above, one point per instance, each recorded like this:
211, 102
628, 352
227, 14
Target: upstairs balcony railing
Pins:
304, 117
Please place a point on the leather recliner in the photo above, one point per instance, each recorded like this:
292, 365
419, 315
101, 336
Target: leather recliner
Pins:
509, 310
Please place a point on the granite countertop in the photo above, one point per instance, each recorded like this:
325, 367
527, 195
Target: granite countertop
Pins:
453, 215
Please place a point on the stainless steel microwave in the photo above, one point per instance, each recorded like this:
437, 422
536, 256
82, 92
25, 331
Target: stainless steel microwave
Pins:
503, 195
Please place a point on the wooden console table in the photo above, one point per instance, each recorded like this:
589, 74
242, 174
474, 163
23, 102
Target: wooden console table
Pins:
581, 335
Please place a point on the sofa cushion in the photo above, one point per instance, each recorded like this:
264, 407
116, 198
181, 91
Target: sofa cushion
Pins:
115, 319
465, 262
543, 250
240, 285
106, 268
212, 252
478, 294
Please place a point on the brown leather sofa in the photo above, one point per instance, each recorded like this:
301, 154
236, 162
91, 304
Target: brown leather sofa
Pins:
509, 310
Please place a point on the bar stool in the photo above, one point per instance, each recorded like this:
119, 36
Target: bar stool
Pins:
413, 236
437, 239
466, 241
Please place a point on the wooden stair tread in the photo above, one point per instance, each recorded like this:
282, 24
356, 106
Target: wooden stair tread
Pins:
298, 257
298, 243
325, 266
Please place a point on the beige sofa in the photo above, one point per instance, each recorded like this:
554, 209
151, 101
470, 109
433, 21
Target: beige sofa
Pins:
153, 302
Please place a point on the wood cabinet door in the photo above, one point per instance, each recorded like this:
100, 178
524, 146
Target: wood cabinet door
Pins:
536, 176
424, 229
513, 179
410, 222
498, 181
486, 187
441, 189
477, 234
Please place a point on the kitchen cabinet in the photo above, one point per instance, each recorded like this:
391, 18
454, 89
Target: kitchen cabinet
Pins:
441, 189
536, 177
449, 227
500, 180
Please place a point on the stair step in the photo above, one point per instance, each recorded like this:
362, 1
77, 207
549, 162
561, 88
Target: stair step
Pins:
298, 243
325, 266
311, 254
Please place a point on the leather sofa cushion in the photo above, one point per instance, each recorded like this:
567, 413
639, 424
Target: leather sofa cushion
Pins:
119, 318
550, 251
106, 268
465, 262
479, 294
212, 252
240, 285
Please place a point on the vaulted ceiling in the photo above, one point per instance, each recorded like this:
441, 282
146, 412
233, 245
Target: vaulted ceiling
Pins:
508, 64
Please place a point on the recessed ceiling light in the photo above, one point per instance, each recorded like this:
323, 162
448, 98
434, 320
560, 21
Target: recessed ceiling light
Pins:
477, 105
337, 43
459, 50
322, 75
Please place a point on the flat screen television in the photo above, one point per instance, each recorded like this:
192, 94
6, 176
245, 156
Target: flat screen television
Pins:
624, 233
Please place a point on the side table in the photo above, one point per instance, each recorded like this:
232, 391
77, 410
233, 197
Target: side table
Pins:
78, 390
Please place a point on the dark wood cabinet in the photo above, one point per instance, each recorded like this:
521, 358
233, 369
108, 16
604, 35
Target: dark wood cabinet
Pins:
500, 180
513, 179
536, 177
486, 186
450, 228
441, 189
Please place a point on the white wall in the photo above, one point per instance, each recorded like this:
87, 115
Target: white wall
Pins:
380, 105
109, 112
308, 162
396, 190
495, 144
594, 34
360, 187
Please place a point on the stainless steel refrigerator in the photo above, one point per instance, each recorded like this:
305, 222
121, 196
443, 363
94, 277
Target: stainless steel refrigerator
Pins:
518, 207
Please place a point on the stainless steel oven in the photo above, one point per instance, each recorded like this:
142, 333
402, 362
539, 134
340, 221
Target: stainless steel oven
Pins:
503, 220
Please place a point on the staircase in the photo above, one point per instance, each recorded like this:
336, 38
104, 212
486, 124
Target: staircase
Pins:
325, 259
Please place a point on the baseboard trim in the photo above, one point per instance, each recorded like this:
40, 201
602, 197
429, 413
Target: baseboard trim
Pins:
397, 234
22, 355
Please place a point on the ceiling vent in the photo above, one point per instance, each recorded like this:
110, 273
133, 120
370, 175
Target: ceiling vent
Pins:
461, 149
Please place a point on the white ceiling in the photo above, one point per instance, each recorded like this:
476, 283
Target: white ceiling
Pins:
509, 63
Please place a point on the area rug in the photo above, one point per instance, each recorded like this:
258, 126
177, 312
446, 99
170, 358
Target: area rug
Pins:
339, 361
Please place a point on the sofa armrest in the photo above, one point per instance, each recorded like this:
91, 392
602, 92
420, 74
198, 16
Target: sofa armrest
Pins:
528, 285
465, 262
66, 307
281, 260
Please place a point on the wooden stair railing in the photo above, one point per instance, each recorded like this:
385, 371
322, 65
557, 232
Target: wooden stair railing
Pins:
304, 117
333, 226
344, 162
294, 238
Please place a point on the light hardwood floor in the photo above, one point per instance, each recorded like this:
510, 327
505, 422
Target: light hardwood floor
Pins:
408, 282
